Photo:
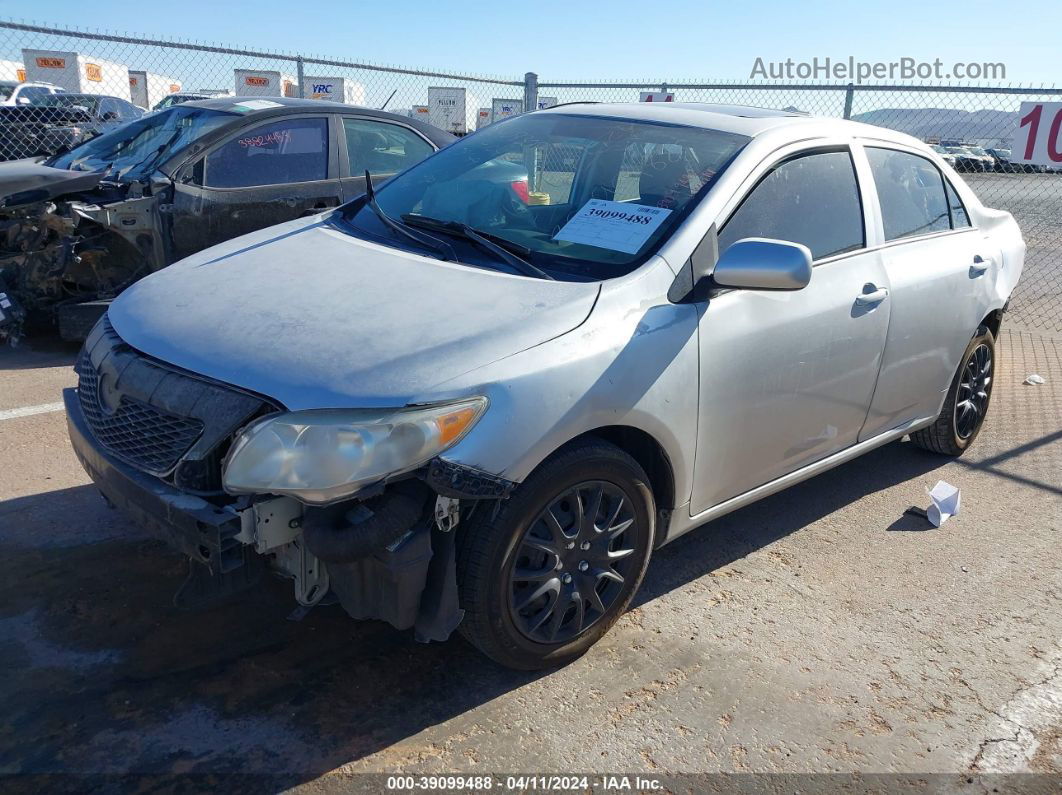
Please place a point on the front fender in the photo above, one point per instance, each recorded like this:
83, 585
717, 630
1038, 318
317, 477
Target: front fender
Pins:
634, 363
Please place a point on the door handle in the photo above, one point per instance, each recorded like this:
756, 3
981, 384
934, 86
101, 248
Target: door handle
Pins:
875, 297
319, 206
980, 265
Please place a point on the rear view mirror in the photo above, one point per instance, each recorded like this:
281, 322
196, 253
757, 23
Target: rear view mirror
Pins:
757, 263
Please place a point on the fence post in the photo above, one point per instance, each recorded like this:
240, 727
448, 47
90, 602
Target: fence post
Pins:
299, 73
531, 153
530, 92
848, 93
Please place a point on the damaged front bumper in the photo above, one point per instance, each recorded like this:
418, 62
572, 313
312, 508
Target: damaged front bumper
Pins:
407, 579
57, 253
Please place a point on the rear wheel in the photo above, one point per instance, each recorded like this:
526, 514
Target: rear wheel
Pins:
964, 411
544, 576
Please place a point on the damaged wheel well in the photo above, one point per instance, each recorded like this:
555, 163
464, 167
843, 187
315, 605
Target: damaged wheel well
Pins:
994, 320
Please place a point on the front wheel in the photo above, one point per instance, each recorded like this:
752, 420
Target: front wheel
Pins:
967, 404
548, 572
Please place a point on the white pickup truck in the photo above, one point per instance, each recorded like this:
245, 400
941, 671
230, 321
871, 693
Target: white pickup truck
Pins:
14, 93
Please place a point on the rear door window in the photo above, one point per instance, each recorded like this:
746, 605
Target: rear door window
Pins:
911, 193
382, 148
108, 109
278, 152
811, 199
127, 110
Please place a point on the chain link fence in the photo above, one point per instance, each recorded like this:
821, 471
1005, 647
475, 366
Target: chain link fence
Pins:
120, 77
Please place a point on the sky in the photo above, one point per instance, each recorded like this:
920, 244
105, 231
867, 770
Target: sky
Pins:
604, 40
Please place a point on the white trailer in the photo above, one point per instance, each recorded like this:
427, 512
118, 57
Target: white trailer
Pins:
451, 109
77, 73
148, 89
215, 92
546, 102
482, 118
333, 89
420, 112
504, 108
12, 70
264, 83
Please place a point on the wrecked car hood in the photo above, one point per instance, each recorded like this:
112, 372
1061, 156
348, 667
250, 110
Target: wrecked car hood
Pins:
27, 181
315, 318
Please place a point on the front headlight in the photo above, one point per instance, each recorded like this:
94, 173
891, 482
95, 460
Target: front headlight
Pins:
324, 455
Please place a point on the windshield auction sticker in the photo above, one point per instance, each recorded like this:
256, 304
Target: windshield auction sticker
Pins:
619, 226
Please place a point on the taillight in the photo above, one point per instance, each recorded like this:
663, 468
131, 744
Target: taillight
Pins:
520, 189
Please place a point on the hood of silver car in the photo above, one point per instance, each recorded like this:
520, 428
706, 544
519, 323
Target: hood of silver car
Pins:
315, 318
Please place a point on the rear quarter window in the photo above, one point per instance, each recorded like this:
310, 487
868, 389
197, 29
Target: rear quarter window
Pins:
959, 217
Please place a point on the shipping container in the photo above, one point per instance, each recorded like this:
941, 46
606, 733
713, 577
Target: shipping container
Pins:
451, 109
504, 108
419, 112
147, 89
77, 73
482, 118
12, 70
264, 83
334, 89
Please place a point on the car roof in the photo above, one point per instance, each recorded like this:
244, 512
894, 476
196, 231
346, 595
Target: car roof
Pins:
740, 119
285, 106
281, 106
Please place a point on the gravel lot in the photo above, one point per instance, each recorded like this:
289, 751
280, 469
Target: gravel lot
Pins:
818, 630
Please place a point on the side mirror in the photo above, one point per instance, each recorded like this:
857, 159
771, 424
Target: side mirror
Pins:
757, 263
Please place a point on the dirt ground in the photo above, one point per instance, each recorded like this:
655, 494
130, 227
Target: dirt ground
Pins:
820, 630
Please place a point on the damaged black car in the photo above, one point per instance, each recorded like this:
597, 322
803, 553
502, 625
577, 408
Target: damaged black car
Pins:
78, 228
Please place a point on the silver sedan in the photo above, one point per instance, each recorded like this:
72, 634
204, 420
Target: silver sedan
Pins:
480, 395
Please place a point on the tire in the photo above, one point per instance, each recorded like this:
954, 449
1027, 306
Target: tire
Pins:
510, 551
955, 429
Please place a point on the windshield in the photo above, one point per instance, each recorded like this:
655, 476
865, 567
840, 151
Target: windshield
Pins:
69, 100
582, 196
134, 148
